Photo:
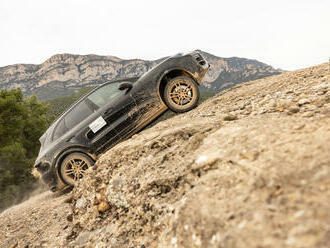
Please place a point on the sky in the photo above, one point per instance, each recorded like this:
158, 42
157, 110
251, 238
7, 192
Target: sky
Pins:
288, 34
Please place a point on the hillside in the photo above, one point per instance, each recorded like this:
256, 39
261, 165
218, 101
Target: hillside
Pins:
249, 167
64, 74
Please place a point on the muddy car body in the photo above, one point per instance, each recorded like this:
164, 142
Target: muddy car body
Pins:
114, 112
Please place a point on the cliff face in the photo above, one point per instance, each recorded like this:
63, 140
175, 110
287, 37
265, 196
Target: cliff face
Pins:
62, 74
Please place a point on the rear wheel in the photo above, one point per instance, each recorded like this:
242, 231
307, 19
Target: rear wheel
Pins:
181, 94
74, 167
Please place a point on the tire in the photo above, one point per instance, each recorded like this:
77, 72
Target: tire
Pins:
73, 167
181, 94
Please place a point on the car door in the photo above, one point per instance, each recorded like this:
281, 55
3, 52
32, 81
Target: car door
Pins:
114, 118
148, 103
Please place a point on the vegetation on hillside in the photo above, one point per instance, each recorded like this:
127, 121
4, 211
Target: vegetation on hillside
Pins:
22, 122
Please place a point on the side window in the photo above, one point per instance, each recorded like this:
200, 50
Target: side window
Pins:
104, 95
60, 129
77, 115
97, 99
71, 119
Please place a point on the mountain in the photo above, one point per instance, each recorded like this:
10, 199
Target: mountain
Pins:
228, 72
249, 167
63, 74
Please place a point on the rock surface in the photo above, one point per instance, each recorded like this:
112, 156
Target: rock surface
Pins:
249, 167
64, 73
40, 221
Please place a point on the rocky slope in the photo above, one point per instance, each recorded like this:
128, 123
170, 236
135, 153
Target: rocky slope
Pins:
35, 223
249, 167
62, 74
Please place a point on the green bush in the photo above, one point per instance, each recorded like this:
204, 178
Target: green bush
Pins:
22, 122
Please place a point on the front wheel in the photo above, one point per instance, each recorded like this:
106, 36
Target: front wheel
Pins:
74, 167
181, 94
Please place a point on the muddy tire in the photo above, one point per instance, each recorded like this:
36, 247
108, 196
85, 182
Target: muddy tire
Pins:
74, 167
181, 94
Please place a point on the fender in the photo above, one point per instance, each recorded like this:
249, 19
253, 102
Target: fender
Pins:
59, 158
167, 72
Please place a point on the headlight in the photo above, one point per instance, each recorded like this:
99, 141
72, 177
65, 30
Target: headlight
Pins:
42, 167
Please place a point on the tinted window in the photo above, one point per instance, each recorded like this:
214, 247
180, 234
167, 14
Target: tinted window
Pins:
104, 95
100, 97
48, 135
77, 115
60, 129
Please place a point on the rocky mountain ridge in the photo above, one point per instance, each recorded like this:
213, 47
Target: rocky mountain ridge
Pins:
62, 74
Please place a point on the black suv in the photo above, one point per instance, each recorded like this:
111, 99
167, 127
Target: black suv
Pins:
113, 112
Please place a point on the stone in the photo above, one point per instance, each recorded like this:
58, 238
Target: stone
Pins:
308, 114
303, 101
103, 206
230, 118
69, 218
294, 109
81, 202
299, 126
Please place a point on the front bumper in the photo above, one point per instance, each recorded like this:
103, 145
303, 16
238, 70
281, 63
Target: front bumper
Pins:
50, 179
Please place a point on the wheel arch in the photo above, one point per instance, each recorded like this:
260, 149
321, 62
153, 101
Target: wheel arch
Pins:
170, 74
66, 153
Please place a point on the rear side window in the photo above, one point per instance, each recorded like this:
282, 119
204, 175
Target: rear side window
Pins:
60, 129
77, 115
80, 112
105, 94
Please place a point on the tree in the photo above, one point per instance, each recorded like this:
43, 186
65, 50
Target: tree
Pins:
22, 122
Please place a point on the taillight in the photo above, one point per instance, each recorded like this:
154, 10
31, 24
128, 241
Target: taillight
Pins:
199, 59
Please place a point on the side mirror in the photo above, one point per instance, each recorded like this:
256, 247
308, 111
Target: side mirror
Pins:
125, 86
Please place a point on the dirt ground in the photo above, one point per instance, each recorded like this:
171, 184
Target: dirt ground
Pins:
37, 222
249, 167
